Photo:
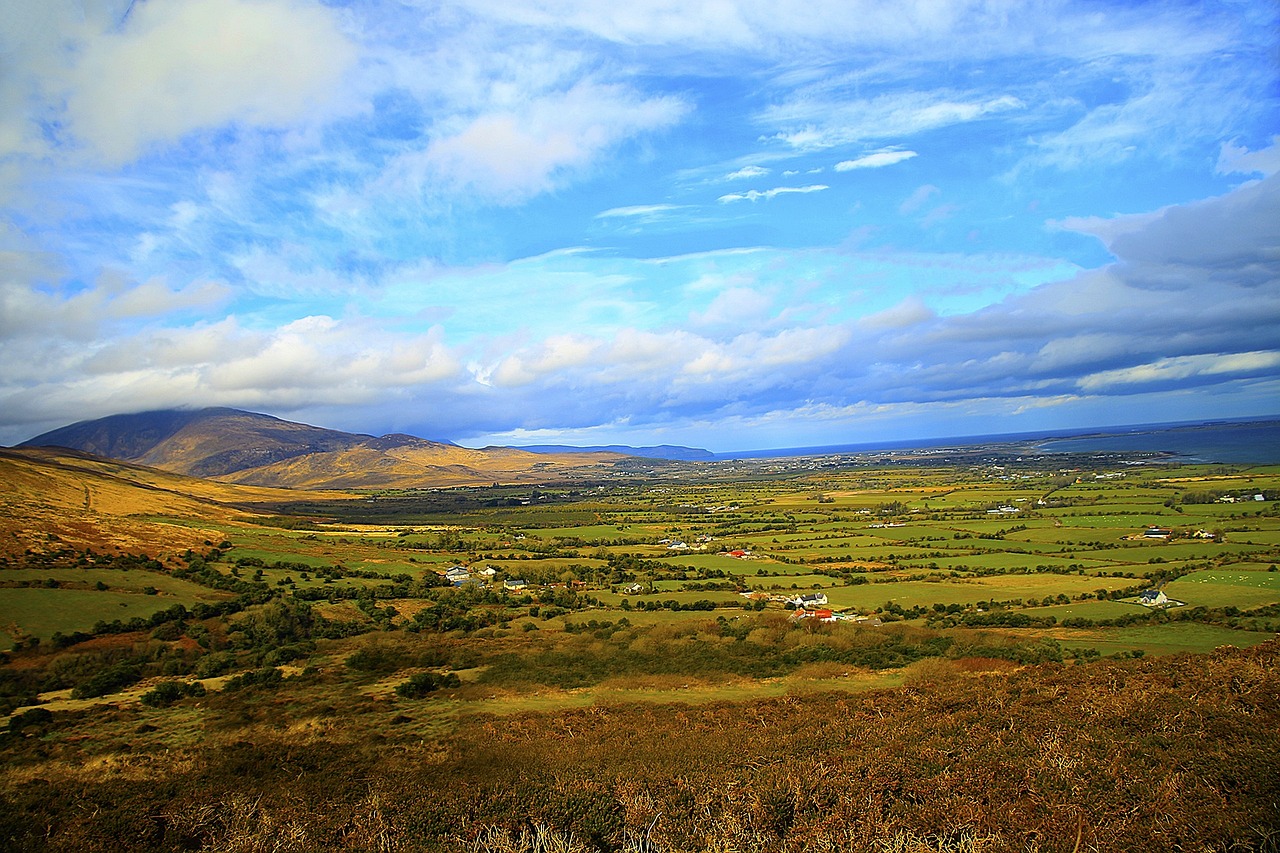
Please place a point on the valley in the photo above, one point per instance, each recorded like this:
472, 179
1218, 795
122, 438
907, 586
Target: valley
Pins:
690, 655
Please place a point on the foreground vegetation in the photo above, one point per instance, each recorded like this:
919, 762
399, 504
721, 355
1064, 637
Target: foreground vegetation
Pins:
622, 665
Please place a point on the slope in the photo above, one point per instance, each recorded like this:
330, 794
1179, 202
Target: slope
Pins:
55, 499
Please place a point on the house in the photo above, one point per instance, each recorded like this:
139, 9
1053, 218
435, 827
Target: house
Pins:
514, 584
633, 589
1152, 598
488, 571
808, 601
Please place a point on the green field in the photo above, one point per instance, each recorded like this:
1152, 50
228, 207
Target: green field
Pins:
967, 591
1226, 588
1168, 639
44, 612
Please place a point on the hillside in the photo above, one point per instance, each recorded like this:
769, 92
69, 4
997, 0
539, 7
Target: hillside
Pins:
256, 449
61, 498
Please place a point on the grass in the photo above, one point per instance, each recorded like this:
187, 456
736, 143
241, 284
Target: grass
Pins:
129, 580
1173, 638
42, 612
967, 591
1226, 588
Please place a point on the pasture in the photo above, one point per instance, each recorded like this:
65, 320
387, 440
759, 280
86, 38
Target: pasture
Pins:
1227, 588
44, 612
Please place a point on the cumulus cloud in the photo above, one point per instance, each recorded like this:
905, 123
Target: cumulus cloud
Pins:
1233, 238
117, 84
1237, 160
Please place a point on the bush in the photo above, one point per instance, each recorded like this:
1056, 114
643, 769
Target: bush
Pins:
30, 717
108, 680
424, 683
266, 677
166, 693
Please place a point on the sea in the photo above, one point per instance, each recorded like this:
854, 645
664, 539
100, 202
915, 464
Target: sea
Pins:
1254, 441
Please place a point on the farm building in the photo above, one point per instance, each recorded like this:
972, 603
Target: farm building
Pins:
808, 601
1154, 532
514, 584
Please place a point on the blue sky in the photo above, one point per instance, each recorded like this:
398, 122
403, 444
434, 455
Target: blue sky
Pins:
736, 224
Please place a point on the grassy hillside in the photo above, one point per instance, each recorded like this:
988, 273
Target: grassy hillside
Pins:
56, 499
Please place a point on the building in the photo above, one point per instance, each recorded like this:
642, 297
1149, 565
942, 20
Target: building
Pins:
808, 601
1153, 598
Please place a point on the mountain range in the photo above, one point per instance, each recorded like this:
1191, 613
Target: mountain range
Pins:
235, 446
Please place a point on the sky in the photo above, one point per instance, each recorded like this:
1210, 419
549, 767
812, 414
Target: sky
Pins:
731, 224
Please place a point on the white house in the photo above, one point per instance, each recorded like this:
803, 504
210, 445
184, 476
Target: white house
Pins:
1152, 598
813, 599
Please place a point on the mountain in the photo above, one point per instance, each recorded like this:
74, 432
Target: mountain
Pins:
661, 451
256, 449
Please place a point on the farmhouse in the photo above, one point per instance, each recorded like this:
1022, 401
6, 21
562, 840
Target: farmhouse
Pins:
633, 589
808, 601
1152, 598
514, 584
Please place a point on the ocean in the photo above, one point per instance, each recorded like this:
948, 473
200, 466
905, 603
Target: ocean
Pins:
1252, 442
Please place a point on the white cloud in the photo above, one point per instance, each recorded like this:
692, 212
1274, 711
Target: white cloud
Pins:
1182, 368
510, 156
173, 67
814, 121
642, 210
756, 195
875, 160
911, 311
747, 172
1236, 160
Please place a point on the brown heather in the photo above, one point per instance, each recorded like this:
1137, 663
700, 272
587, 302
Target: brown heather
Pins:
1175, 753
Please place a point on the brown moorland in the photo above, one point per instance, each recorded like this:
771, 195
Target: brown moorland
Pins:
1174, 753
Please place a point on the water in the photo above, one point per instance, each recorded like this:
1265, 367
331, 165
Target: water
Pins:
1257, 442
1252, 442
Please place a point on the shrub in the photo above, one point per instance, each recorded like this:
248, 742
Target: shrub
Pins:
29, 717
166, 693
424, 683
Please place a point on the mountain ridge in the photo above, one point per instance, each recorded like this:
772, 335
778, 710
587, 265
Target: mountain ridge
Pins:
251, 448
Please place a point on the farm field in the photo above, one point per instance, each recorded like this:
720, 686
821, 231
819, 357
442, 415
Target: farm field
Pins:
41, 613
